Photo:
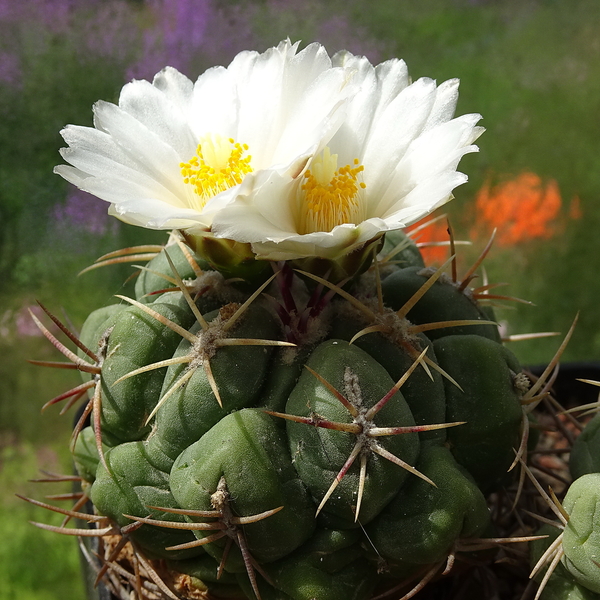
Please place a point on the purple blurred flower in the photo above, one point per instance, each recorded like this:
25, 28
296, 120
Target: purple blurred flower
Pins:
176, 32
191, 35
113, 32
24, 324
321, 22
10, 69
231, 31
28, 29
84, 213
18, 322
338, 33
55, 15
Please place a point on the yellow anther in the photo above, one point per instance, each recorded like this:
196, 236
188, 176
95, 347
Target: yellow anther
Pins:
218, 166
331, 196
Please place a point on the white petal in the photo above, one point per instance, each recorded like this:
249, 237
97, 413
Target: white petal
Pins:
131, 196
410, 148
160, 114
214, 104
145, 148
379, 86
333, 244
265, 215
442, 147
437, 151
398, 125
160, 221
286, 105
72, 175
425, 198
96, 154
176, 86
444, 106
94, 140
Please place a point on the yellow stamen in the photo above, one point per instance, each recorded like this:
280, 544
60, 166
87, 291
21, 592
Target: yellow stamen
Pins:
219, 164
330, 196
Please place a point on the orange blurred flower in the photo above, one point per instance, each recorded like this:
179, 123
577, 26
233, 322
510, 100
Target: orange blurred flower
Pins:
521, 209
436, 232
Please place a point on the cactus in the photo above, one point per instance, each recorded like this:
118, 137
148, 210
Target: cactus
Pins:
290, 415
240, 457
571, 548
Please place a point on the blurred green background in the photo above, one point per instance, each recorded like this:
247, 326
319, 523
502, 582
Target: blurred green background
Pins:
531, 68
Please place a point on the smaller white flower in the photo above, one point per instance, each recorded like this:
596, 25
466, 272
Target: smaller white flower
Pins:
174, 152
392, 161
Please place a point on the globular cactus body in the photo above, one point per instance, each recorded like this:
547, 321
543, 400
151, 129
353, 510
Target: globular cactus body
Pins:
585, 455
571, 550
573, 554
581, 537
327, 468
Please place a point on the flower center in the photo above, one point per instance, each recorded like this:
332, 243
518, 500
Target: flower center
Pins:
330, 195
218, 165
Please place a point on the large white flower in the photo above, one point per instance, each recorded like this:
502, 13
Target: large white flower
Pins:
392, 161
174, 152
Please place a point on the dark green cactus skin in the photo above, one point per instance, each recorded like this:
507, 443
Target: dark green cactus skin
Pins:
178, 458
329, 565
443, 302
423, 392
203, 570
85, 455
132, 484
422, 521
488, 402
406, 253
577, 575
97, 324
150, 281
585, 454
239, 372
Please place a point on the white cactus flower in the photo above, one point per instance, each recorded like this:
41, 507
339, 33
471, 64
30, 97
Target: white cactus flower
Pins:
392, 161
174, 152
